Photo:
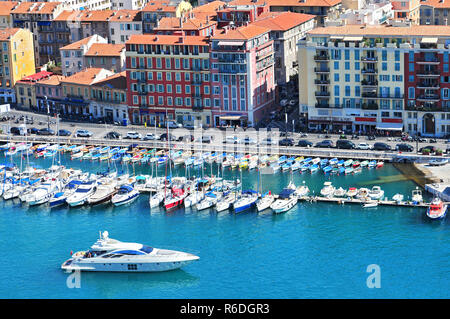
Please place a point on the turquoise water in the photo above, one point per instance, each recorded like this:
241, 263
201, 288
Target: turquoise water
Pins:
312, 251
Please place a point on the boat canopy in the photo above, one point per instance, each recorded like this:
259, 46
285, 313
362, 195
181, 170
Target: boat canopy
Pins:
127, 188
286, 193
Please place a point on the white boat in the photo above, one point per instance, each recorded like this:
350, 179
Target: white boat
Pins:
370, 204
126, 194
363, 193
102, 194
112, 255
398, 198
352, 191
417, 196
285, 201
246, 200
302, 190
376, 193
193, 198
208, 201
437, 209
265, 202
340, 192
327, 190
226, 202
43, 193
83, 192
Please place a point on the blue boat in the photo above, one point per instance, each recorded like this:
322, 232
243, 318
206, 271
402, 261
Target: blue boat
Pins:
314, 167
333, 161
304, 167
307, 160
323, 162
372, 164
96, 156
348, 170
246, 201
341, 170
286, 166
282, 159
327, 169
116, 157
341, 162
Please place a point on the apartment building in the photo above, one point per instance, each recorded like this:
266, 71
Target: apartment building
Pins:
128, 4
434, 12
168, 74
241, 12
200, 24
407, 10
381, 78
124, 23
38, 17
157, 9
242, 75
49, 94
6, 8
26, 89
72, 55
107, 56
88, 4
108, 99
286, 29
17, 60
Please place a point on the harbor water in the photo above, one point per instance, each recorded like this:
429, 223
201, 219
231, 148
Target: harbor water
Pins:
315, 250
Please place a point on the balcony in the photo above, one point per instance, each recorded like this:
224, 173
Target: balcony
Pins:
428, 86
428, 98
368, 59
434, 61
428, 73
322, 106
231, 60
322, 82
369, 83
426, 108
197, 108
369, 106
369, 71
369, 94
322, 94
321, 57
322, 70
142, 92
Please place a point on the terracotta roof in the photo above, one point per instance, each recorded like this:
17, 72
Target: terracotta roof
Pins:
288, 3
435, 3
282, 21
6, 7
77, 45
85, 77
414, 30
167, 39
198, 22
242, 33
36, 7
115, 81
125, 15
105, 49
37, 76
159, 5
52, 80
85, 15
210, 7
5, 34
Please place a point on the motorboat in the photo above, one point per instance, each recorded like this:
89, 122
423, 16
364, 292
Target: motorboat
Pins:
348, 162
302, 190
327, 190
417, 197
340, 192
43, 193
363, 193
352, 191
398, 198
376, 193
438, 162
348, 170
103, 193
156, 199
126, 194
370, 204
437, 209
285, 201
59, 198
327, 169
175, 198
246, 200
380, 164
313, 168
265, 201
372, 164
112, 255
82, 193
226, 201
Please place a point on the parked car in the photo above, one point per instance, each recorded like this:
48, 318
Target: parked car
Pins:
33, 130
304, 143
171, 124
364, 146
248, 140
64, 133
345, 144
186, 138
232, 140
45, 131
133, 135
381, 146
113, 135
16, 131
149, 137
206, 139
164, 137
286, 142
403, 147
324, 144
268, 141
371, 137
430, 147
190, 126
83, 133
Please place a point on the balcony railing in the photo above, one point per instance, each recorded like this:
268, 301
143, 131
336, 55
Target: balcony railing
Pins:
322, 57
431, 86
369, 71
197, 108
322, 70
369, 59
369, 106
428, 97
369, 83
427, 73
322, 82
322, 94
428, 61
426, 108
322, 106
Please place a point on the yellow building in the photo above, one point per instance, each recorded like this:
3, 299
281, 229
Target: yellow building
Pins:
17, 60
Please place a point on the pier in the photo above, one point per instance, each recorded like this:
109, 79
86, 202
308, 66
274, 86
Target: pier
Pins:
342, 200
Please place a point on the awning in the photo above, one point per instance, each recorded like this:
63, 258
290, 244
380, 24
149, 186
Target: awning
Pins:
230, 118
429, 40
234, 43
390, 126
353, 38
336, 37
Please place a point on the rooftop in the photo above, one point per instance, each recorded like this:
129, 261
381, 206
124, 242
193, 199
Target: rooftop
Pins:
287, 3
36, 7
115, 81
159, 6
197, 22
282, 21
210, 7
105, 49
242, 33
167, 39
5, 34
33, 78
435, 3
6, 7
85, 77
77, 45
383, 30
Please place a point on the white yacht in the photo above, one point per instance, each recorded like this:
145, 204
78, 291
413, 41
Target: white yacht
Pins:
83, 192
265, 201
376, 193
327, 190
286, 200
209, 201
126, 194
103, 194
43, 193
417, 196
112, 255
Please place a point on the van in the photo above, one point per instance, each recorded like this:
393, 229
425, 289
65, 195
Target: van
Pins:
346, 144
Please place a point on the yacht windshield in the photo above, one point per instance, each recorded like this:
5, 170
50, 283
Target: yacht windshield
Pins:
146, 249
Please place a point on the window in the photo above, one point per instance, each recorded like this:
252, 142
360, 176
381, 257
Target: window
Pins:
336, 77
411, 93
397, 66
347, 65
347, 78
357, 65
336, 65
336, 90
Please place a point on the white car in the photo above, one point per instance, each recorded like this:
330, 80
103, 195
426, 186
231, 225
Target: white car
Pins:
232, 140
364, 146
134, 135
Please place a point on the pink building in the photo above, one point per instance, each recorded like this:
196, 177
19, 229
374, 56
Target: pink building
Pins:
242, 71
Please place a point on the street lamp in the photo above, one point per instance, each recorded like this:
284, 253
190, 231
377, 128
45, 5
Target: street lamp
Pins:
48, 112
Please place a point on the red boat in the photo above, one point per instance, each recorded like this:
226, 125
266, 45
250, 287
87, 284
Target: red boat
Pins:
380, 164
437, 209
356, 164
175, 199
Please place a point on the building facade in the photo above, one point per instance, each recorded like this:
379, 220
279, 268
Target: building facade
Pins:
388, 79
434, 12
107, 56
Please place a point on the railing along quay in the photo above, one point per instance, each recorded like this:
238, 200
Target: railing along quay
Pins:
230, 148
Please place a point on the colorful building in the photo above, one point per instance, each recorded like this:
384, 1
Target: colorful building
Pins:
26, 89
107, 56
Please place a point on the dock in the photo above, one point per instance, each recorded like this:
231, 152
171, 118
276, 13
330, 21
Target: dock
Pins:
342, 200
